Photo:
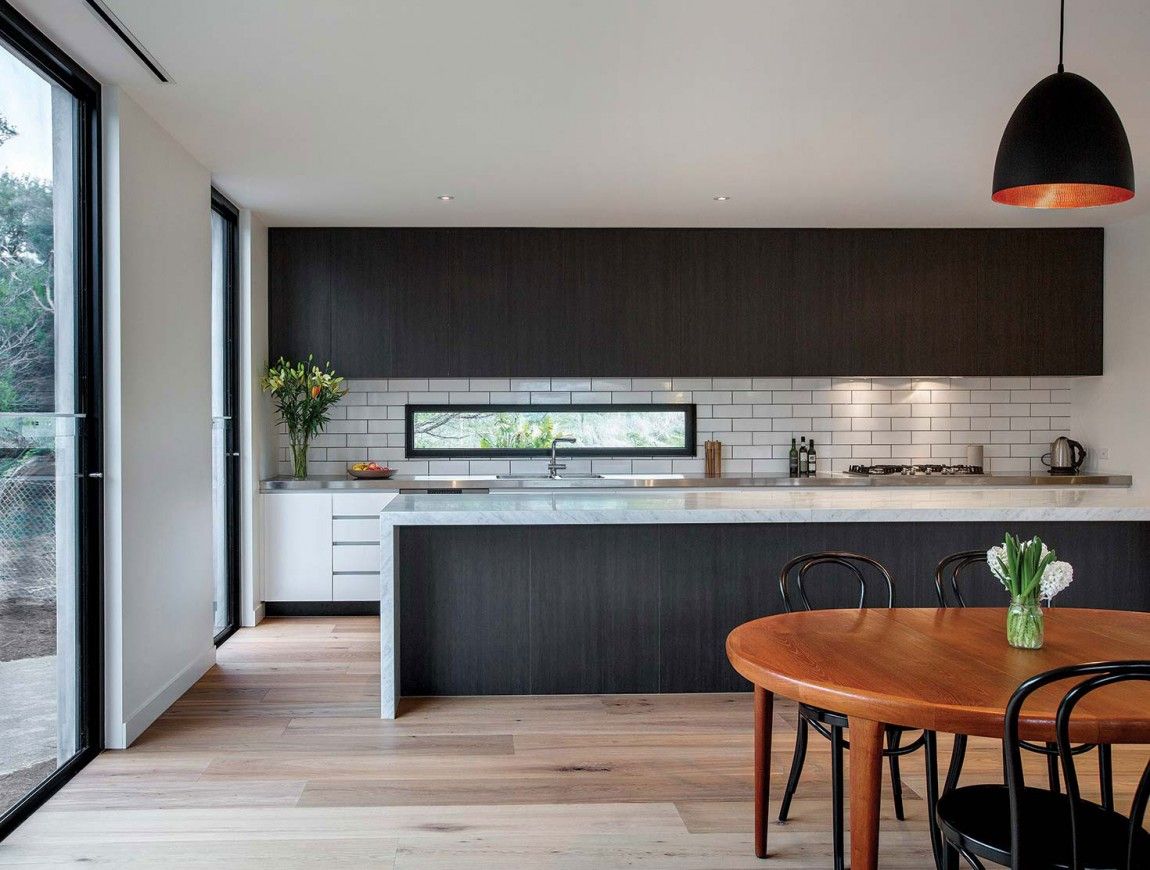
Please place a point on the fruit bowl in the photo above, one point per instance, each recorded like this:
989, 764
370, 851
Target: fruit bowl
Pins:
370, 471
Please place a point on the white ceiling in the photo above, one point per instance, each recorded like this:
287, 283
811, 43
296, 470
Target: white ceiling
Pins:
613, 112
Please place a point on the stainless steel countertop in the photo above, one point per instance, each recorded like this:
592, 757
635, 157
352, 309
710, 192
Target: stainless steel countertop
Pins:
423, 482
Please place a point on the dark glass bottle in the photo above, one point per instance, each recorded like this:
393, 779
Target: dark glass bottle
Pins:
812, 460
804, 468
794, 459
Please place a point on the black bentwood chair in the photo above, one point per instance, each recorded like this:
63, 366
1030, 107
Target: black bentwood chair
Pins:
1021, 827
951, 567
826, 722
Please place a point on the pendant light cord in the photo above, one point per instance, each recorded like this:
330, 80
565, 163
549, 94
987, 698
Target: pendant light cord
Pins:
1061, 32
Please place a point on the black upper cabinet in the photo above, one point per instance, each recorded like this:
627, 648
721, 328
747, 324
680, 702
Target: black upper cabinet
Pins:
707, 302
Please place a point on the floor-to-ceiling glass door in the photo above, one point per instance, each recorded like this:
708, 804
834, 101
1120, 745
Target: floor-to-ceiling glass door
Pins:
225, 419
50, 477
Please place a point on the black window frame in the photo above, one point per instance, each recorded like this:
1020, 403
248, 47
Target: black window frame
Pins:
224, 207
19, 36
688, 450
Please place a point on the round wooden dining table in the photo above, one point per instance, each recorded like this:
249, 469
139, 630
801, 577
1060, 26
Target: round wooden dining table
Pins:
947, 670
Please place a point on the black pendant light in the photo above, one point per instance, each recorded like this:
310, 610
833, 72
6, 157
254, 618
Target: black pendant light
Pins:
1064, 146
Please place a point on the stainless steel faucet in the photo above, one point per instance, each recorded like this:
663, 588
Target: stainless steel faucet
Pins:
553, 467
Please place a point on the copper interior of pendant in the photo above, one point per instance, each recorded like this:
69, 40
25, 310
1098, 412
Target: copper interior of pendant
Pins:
1067, 195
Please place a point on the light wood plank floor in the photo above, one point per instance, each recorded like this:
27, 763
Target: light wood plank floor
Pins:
277, 758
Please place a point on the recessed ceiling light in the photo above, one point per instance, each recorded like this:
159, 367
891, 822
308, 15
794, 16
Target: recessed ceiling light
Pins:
445, 197
720, 198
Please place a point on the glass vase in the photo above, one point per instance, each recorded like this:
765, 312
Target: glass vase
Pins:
299, 459
1024, 628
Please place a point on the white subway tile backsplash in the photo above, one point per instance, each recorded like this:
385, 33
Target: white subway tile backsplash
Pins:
448, 385
569, 385
610, 383
1010, 383
651, 384
870, 397
870, 424
529, 384
691, 384
754, 397
677, 397
599, 398
770, 383
811, 383
512, 398
929, 409
793, 397
488, 385
1030, 395
853, 419
1050, 383
398, 385
713, 397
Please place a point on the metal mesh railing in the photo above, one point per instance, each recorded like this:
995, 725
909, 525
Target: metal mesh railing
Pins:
27, 528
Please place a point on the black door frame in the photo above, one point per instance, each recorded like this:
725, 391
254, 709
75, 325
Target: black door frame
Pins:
222, 206
24, 40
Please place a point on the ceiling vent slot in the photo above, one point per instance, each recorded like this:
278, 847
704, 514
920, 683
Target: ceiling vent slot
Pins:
100, 8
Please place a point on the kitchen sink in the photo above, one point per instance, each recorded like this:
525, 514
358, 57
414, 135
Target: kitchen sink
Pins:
572, 476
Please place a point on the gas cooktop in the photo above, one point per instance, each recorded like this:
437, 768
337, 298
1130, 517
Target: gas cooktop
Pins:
884, 470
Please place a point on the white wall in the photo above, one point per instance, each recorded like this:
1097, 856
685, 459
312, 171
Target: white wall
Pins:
257, 428
158, 509
1112, 412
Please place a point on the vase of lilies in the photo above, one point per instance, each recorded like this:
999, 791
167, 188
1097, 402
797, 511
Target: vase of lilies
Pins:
1031, 573
303, 394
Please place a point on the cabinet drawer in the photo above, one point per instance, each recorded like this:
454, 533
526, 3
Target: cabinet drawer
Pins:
358, 530
355, 587
355, 557
359, 504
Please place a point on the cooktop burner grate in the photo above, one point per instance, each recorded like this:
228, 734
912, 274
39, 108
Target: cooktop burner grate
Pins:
884, 470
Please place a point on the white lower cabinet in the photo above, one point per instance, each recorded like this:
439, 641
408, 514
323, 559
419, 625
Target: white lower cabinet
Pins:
322, 546
297, 546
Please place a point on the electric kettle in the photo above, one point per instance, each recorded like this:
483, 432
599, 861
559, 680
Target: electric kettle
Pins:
1065, 457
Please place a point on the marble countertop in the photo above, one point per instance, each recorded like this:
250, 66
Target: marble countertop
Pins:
538, 482
768, 506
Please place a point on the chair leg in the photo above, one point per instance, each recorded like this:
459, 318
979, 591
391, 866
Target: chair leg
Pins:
931, 753
837, 822
1052, 768
893, 738
949, 857
1106, 775
796, 768
957, 756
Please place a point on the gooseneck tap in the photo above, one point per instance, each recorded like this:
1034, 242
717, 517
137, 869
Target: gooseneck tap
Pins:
554, 467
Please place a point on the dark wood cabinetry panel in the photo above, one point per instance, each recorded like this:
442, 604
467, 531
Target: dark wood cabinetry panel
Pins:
301, 268
594, 593
555, 609
716, 578
656, 302
463, 613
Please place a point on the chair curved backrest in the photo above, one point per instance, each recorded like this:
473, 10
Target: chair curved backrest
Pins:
951, 567
794, 573
1096, 675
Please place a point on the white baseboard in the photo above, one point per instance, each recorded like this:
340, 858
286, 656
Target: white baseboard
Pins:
254, 616
150, 710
